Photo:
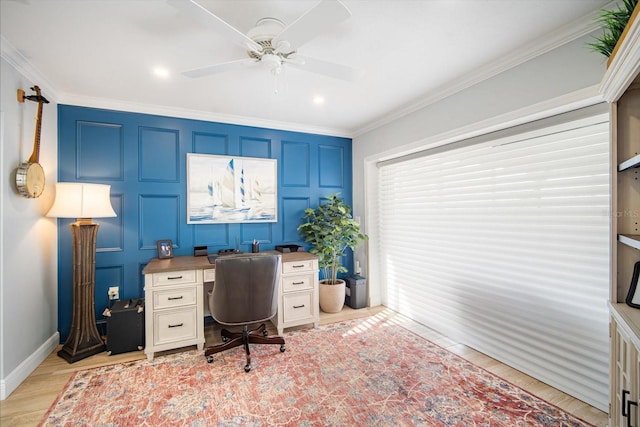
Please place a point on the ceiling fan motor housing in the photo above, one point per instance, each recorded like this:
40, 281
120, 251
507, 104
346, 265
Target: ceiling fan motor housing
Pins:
264, 31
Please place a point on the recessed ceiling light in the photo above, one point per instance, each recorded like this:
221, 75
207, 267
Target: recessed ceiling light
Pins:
318, 100
161, 72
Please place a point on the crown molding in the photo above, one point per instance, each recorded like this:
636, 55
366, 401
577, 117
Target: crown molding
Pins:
625, 65
18, 61
553, 40
132, 107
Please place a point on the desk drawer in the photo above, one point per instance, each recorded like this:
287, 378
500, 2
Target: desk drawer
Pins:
175, 325
297, 306
175, 297
210, 275
175, 278
297, 266
297, 283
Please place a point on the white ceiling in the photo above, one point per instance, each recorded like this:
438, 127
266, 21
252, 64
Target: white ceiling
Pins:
102, 53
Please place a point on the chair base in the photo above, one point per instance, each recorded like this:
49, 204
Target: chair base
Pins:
246, 337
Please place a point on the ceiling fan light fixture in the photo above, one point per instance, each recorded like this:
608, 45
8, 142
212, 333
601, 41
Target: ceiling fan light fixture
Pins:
272, 61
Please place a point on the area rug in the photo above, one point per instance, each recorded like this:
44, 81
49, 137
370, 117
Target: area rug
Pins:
367, 372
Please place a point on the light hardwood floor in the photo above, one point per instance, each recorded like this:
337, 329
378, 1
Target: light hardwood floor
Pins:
28, 403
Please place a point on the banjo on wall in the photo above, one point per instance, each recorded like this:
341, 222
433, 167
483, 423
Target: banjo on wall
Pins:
30, 175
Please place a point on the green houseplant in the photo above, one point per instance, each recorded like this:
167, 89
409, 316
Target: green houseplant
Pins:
330, 230
613, 23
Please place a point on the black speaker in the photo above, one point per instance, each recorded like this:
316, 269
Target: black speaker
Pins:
125, 326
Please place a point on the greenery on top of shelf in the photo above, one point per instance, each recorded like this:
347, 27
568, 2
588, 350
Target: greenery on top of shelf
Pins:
613, 23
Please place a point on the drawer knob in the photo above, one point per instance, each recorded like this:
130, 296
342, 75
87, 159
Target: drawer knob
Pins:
176, 326
174, 298
298, 266
174, 278
297, 283
298, 306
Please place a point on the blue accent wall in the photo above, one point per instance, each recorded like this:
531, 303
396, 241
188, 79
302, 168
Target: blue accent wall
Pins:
143, 158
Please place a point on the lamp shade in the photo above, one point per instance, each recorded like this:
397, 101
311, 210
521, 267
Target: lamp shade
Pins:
81, 200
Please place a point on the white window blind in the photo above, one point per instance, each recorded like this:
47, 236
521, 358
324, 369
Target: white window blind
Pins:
504, 246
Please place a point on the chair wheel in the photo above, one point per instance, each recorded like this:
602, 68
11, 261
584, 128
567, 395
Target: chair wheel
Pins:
209, 359
282, 348
247, 367
225, 339
265, 333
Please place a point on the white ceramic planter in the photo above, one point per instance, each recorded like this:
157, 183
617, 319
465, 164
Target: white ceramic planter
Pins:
332, 297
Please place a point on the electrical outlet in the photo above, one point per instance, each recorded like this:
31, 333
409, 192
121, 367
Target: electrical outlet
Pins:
114, 292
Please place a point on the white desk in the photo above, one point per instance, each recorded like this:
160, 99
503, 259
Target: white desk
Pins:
176, 298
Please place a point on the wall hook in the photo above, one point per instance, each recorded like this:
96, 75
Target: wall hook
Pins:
36, 98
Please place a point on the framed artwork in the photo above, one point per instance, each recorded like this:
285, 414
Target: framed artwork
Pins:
230, 189
633, 297
165, 248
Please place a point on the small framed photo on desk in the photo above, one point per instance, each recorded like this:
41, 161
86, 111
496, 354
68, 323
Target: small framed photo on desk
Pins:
165, 249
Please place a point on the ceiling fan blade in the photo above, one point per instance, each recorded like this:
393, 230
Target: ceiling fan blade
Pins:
204, 16
293, 59
314, 22
325, 68
218, 68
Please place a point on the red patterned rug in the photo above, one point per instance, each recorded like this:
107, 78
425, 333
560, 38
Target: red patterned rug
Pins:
366, 372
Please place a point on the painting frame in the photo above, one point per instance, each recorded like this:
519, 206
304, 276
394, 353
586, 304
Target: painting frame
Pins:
224, 189
165, 248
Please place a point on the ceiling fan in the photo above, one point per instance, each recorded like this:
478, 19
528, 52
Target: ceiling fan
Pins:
271, 43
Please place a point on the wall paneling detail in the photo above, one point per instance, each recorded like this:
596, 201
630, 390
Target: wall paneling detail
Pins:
99, 151
331, 164
295, 164
292, 213
159, 219
255, 147
206, 143
143, 158
159, 155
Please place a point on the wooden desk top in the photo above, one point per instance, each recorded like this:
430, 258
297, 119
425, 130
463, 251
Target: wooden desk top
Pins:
178, 263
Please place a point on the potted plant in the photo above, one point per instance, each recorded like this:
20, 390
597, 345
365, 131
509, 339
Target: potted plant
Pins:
330, 230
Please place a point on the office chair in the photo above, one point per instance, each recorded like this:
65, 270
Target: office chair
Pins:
245, 292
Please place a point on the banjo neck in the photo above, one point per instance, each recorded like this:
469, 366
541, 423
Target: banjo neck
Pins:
30, 177
35, 154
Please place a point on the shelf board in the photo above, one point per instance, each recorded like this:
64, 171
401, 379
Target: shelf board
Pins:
633, 162
629, 318
632, 240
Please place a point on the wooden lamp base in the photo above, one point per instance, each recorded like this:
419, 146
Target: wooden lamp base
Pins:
84, 339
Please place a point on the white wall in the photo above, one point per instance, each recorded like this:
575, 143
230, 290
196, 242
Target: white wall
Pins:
561, 79
28, 240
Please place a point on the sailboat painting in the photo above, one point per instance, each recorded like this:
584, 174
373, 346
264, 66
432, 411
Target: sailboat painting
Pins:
228, 189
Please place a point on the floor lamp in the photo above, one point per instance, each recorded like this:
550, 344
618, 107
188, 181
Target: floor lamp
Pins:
83, 202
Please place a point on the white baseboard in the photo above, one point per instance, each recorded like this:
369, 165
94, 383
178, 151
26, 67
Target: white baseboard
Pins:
15, 378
